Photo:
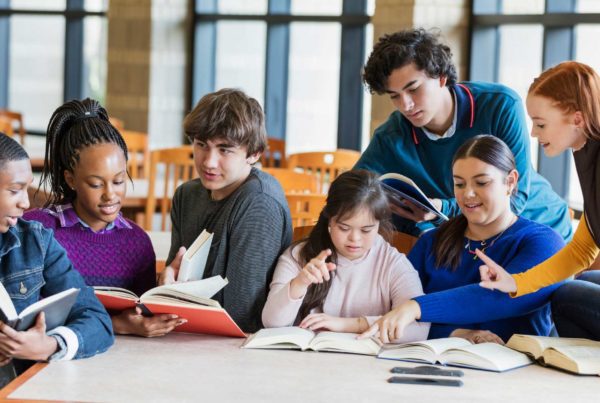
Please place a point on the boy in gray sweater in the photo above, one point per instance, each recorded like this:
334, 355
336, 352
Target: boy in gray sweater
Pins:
243, 207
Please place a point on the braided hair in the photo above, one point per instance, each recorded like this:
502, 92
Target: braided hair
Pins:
10, 150
74, 126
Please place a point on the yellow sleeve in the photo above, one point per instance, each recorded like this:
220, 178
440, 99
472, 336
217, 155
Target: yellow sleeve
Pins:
576, 256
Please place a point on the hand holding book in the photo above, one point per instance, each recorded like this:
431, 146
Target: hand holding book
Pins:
391, 326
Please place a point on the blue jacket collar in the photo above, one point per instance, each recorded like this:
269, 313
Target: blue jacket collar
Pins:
465, 115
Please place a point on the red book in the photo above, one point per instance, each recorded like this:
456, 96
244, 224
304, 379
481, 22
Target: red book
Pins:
189, 300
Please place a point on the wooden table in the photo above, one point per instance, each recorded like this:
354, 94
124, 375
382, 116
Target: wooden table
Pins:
185, 367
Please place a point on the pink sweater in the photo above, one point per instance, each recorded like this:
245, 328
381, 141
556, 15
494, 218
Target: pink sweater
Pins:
369, 287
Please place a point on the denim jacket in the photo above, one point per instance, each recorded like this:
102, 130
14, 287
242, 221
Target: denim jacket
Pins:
33, 266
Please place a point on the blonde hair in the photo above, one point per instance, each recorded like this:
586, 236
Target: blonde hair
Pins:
572, 87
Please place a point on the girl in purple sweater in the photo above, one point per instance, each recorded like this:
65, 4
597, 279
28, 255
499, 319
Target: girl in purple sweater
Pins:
344, 275
86, 170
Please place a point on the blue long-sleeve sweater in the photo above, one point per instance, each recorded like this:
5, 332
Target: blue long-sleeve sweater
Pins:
481, 108
454, 299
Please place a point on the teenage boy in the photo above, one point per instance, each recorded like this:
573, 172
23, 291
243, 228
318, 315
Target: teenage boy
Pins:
242, 206
434, 116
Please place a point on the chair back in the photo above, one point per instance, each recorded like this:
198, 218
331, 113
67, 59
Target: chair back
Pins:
274, 155
138, 163
6, 127
16, 121
305, 208
403, 242
117, 123
301, 232
169, 168
326, 165
294, 182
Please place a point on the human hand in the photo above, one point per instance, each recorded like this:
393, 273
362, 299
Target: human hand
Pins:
170, 273
131, 321
391, 326
477, 336
4, 360
32, 344
415, 213
493, 276
316, 271
321, 321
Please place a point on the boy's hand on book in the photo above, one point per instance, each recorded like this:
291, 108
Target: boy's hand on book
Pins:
477, 336
170, 273
321, 321
131, 321
493, 276
32, 344
391, 325
413, 212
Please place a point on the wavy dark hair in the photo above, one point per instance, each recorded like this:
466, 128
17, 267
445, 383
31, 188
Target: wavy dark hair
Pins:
448, 242
399, 49
10, 150
74, 126
348, 193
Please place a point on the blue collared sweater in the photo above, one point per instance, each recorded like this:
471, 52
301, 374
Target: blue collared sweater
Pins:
454, 299
482, 108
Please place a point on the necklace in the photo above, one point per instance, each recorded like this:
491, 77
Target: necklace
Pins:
485, 244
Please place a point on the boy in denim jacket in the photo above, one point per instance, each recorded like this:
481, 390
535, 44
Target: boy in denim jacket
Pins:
33, 266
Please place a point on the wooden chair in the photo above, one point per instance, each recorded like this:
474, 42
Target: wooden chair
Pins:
16, 121
403, 242
274, 155
6, 127
117, 123
178, 164
327, 165
139, 154
294, 182
305, 208
301, 232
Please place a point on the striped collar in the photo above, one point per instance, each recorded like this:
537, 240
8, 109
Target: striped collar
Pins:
66, 215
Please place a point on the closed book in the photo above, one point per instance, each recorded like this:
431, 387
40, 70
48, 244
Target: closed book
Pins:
56, 309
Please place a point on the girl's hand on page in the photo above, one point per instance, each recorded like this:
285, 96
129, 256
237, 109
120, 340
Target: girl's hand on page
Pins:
391, 325
170, 273
131, 321
477, 336
493, 276
32, 344
321, 321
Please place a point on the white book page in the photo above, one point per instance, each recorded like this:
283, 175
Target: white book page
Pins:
281, 335
116, 291
6, 304
348, 342
587, 358
200, 288
490, 356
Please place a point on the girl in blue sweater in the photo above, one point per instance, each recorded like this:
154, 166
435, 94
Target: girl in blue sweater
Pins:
485, 179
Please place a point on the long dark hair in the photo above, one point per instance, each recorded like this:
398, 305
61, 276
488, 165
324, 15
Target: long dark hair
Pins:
348, 193
74, 126
448, 242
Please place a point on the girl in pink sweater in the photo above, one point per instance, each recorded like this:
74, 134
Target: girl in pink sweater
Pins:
345, 274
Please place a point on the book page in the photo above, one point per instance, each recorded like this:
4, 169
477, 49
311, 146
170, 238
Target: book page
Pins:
344, 342
55, 307
399, 187
115, 291
489, 356
427, 351
280, 337
6, 304
578, 359
206, 288
535, 345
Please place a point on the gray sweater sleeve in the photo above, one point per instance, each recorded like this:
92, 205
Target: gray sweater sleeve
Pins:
258, 233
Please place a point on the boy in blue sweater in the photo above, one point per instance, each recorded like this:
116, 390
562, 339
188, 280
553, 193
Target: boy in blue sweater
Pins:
485, 180
435, 116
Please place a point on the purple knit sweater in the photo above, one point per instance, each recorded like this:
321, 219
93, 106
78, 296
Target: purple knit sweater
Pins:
120, 257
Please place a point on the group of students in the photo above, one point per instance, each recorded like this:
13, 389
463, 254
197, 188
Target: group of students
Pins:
465, 144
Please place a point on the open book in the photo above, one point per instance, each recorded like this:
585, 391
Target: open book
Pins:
579, 356
194, 258
400, 188
296, 338
55, 307
190, 300
457, 352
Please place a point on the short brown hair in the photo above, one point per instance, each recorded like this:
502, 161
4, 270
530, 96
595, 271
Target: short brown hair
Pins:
229, 114
572, 86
